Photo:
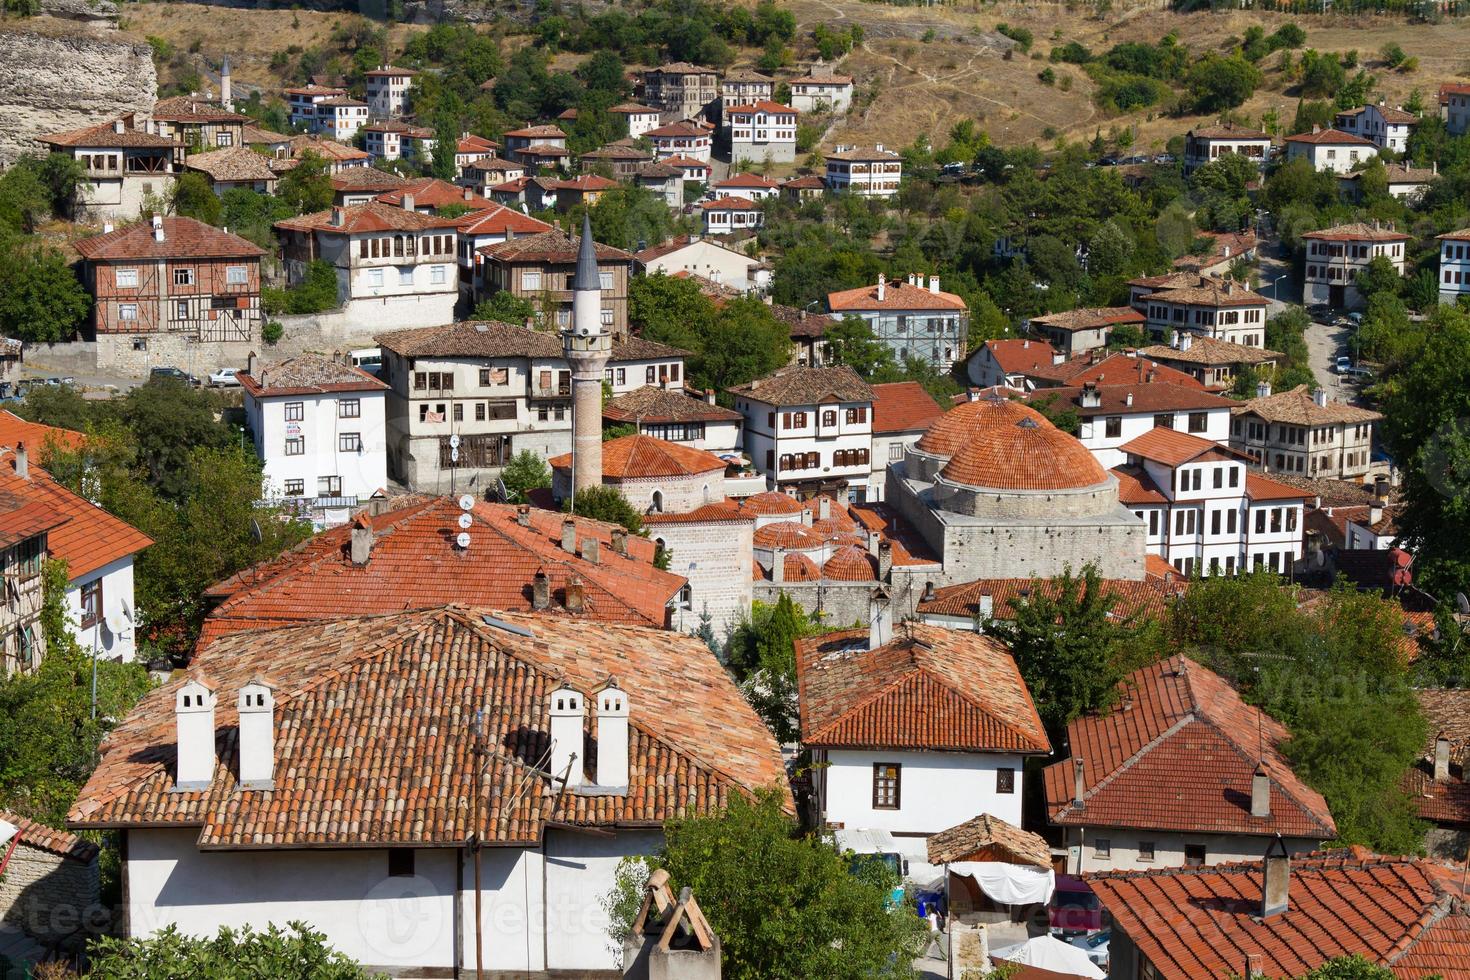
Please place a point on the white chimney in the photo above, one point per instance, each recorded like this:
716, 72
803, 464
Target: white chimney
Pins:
22, 461
1442, 758
157, 228
1261, 792
107, 227
194, 721
612, 735
987, 605
824, 508
934, 284
1319, 395
1186, 341
880, 619
1263, 389
408, 202
118, 126
361, 545
1128, 399
1276, 887
882, 287
257, 735
1091, 397
778, 565
566, 737
1079, 784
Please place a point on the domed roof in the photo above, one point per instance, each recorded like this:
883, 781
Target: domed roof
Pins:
786, 534
969, 421
831, 527
1026, 453
851, 564
800, 568
771, 502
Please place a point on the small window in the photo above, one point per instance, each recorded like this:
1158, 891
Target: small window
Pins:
349, 408
296, 446
295, 488
127, 278
530, 279
605, 280
1145, 850
1113, 428
1005, 780
1194, 855
181, 309
127, 311
1199, 421
375, 277
235, 275
140, 343
1102, 848
436, 275
349, 442
183, 277
91, 603
405, 275
295, 411
886, 785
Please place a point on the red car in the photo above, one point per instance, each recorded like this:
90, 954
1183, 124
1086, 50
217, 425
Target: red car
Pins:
1073, 908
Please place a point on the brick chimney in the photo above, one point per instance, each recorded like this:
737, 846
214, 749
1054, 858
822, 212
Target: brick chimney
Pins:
1442, 757
576, 596
885, 560
540, 590
620, 540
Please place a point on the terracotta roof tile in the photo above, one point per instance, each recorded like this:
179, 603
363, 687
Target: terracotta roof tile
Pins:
1135, 486
640, 457
49, 839
1358, 231
1171, 447
1002, 444
363, 218
747, 180
769, 502
15, 430
989, 838
107, 135
1142, 398
897, 295
654, 404
928, 688
903, 406
1146, 598
1209, 351
763, 105
84, 535
182, 238
309, 374
1228, 131
807, 386
851, 563
1297, 407
1181, 758
414, 565
555, 246
1019, 356
496, 219
787, 534
1116, 368
232, 163
677, 130
326, 149
187, 109
431, 192
366, 179
1090, 318
1201, 923
1329, 137
862, 155
728, 203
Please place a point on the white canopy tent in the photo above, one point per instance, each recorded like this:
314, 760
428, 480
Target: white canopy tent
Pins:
1050, 953
1009, 884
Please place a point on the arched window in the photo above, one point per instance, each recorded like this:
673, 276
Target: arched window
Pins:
658, 501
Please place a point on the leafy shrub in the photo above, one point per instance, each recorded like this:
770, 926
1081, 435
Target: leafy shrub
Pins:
1072, 53
1020, 35
272, 332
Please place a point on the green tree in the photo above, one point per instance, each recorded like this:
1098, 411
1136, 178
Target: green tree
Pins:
506, 307
604, 503
670, 310
761, 652
41, 299
1380, 277
192, 197
525, 472
1321, 75
24, 199
317, 291
744, 341
1070, 649
850, 341
169, 420
295, 953
786, 906
1354, 967
306, 187
1215, 83
446, 144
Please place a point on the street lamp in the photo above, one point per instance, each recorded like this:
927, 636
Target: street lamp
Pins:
1277, 282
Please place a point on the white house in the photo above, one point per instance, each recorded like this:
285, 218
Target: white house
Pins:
725, 215
395, 267
1009, 362
913, 318
868, 702
319, 428
677, 416
1336, 255
387, 90
762, 131
868, 173
393, 140
1454, 107
1209, 143
1454, 265
743, 86
753, 186
533, 145
706, 258
1330, 149
340, 117
1179, 773
1205, 511
590, 737
695, 170
821, 89
1387, 127
302, 102
809, 429
1221, 309
686, 140
1304, 433
640, 118
98, 548
1113, 415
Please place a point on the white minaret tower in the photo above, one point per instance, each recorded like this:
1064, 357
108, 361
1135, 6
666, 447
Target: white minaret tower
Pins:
226, 97
587, 345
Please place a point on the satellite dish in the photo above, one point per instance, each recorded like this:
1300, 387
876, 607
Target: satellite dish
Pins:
463, 540
114, 622
1462, 604
501, 493
255, 533
454, 455
7, 831
465, 521
454, 442
466, 502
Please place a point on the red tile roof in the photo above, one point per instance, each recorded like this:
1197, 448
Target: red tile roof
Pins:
1019, 356
15, 430
787, 534
928, 688
747, 180
1091, 318
415, 566
82, 534
851, 563
1003, 445
1112, 369
678, 130
1135, 486
538, 132
1146, 598
430, 192
496, 219
730, 204
49, 839
1198, 923
651, 403
770, 502
897, 295
764, 105
903, 406
183, 238
364, 218
1444, 801
366, 179
1181, 759
308, 374
1145, 398
1329, 137
405, 686
638, 457
1358, 231
1261, 488
106, 135
1171, 447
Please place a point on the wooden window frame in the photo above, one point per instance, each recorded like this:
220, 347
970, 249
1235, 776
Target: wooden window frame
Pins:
897, 768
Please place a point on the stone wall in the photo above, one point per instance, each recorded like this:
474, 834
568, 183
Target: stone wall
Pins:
46, 895
55, 77
117, 354
1116, 546
844, 604
716, 559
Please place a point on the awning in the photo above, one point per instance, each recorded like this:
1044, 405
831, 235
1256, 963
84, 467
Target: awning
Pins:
1009, 884
1050, 953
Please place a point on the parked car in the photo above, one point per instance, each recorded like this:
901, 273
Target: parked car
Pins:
174, 374
224, 378
1095, 946
1074, 910
1343, 365
1319, 311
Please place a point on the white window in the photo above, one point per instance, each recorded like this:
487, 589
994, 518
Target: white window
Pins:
375, 277
127, 311
181, 309
607, 318
405, 275
436, 275
183, 277
127, 278
605, 280
531, 279
235, 275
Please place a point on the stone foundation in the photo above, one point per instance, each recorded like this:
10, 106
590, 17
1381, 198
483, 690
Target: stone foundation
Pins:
47, 896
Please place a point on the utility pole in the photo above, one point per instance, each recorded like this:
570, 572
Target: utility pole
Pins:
482, 755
